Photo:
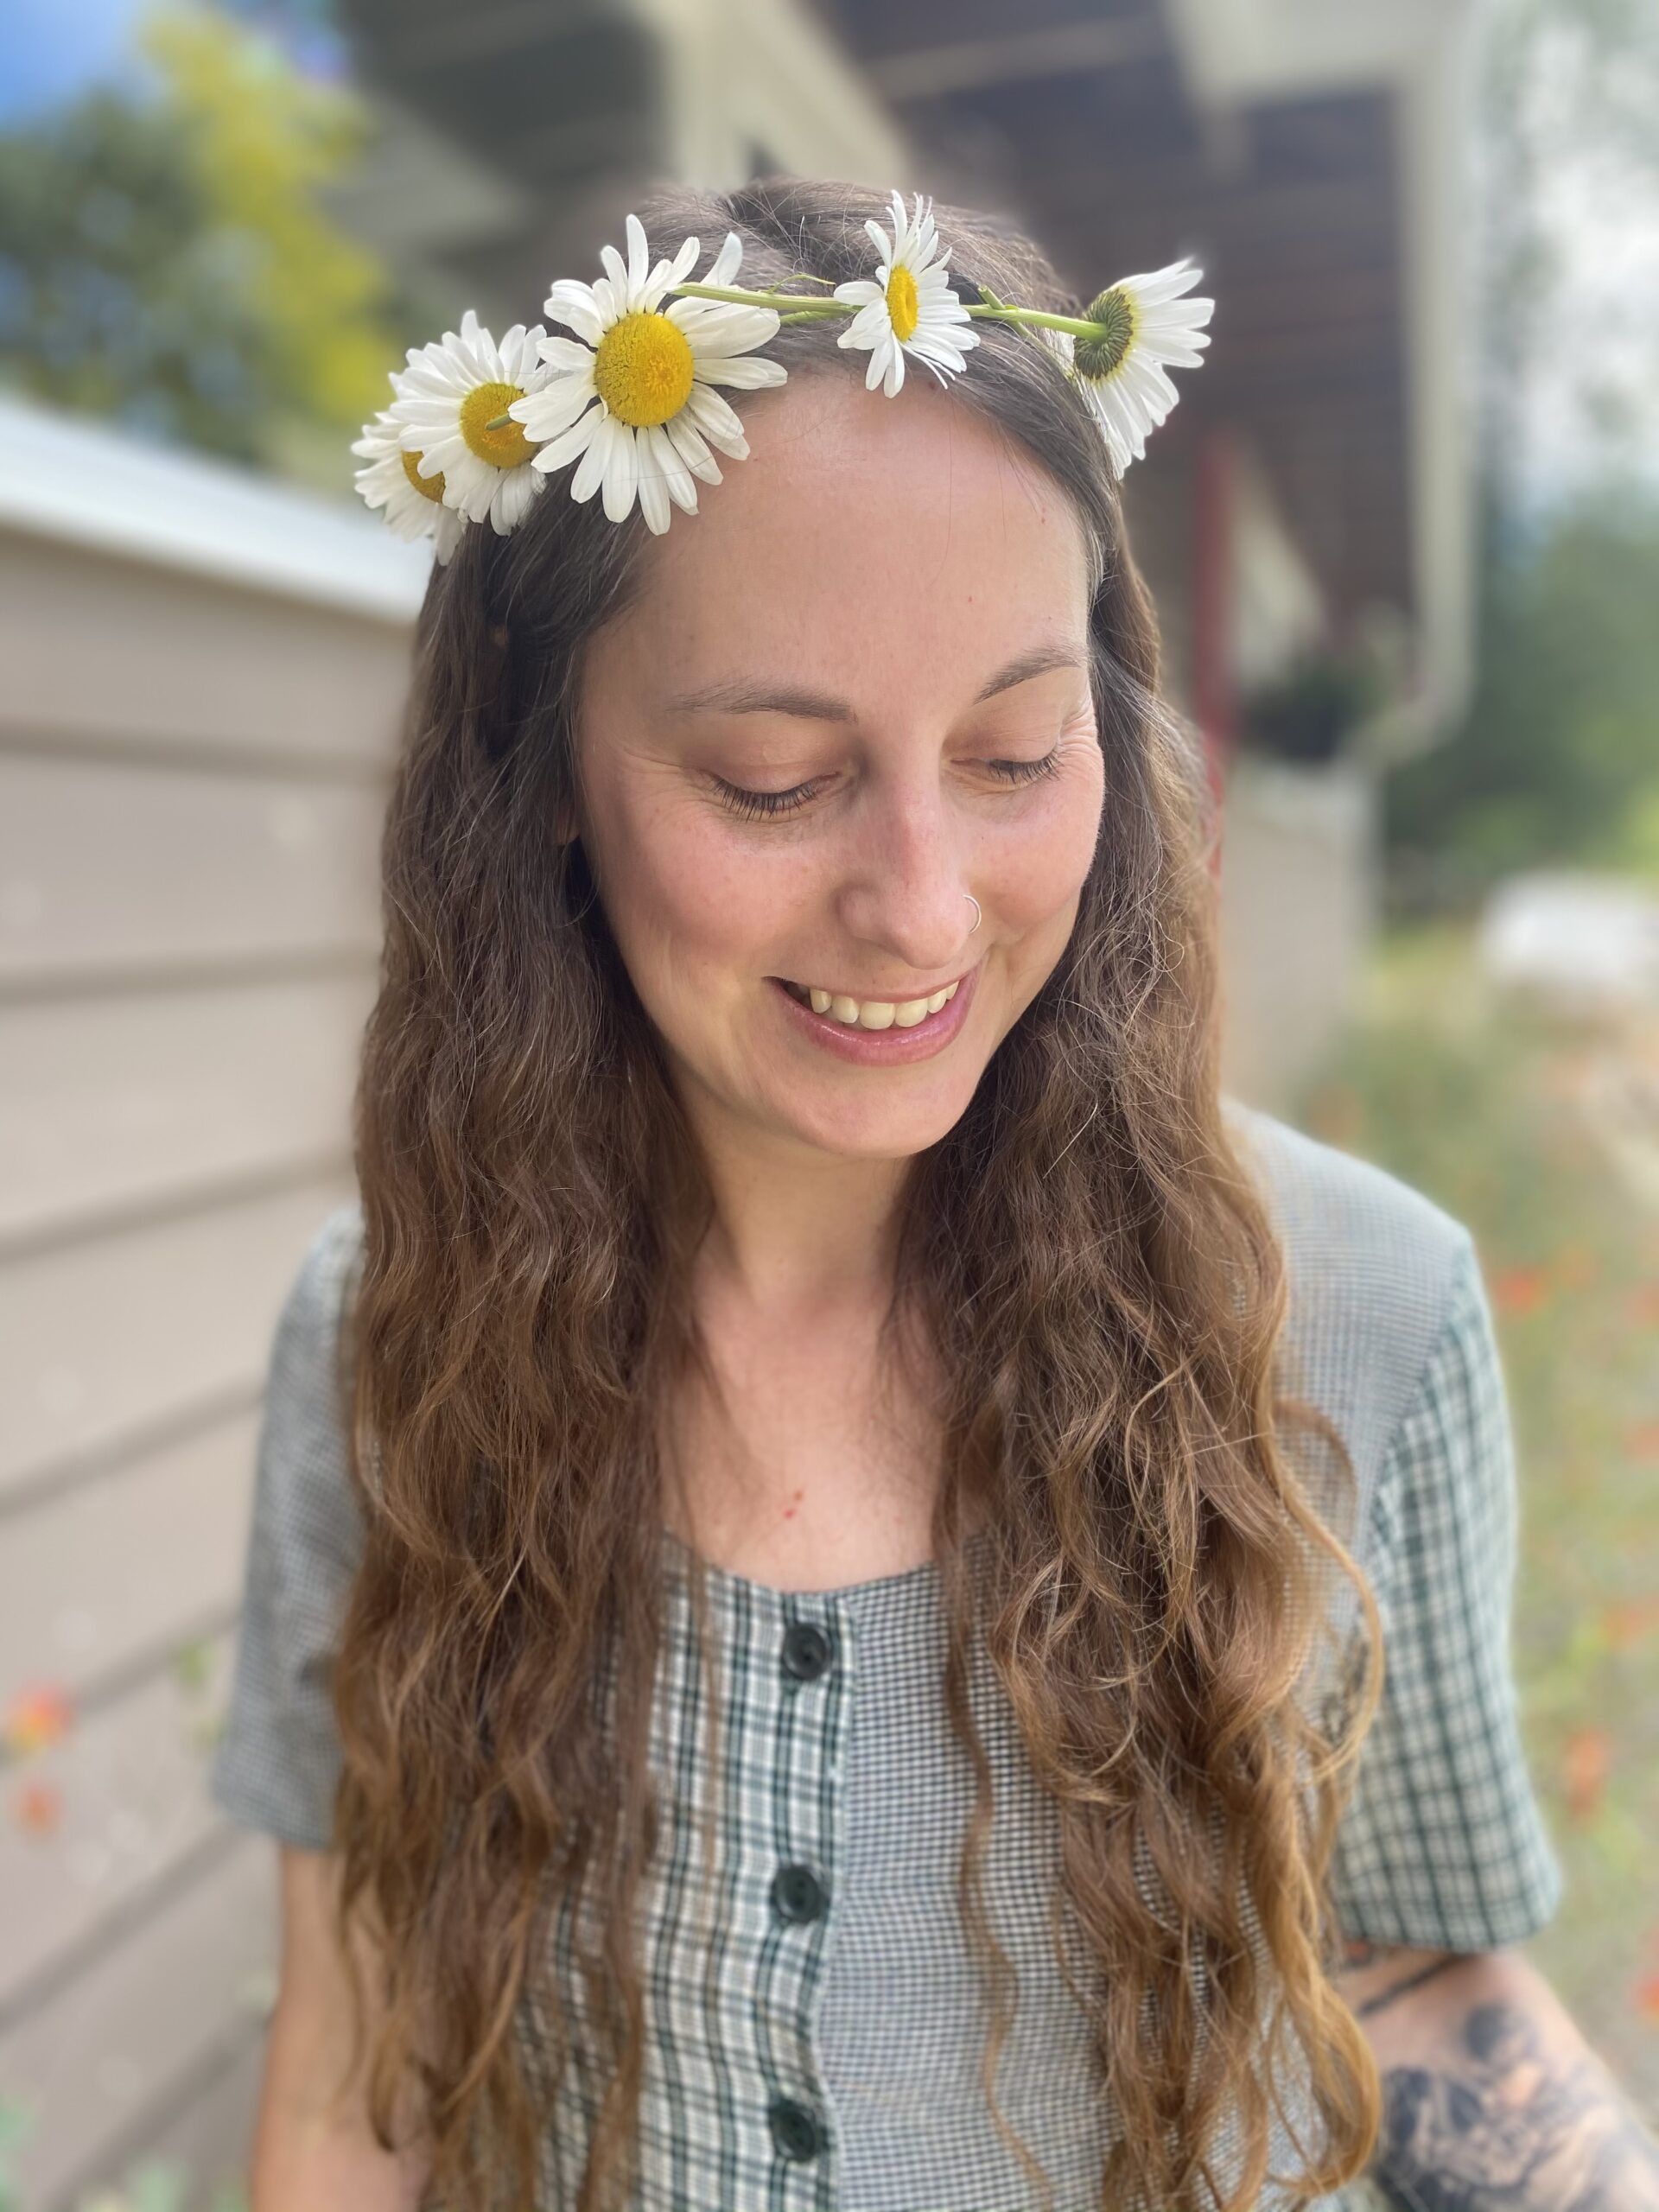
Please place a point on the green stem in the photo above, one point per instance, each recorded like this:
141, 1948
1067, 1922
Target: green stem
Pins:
791, 308
765, 299
1079, 326
808, 310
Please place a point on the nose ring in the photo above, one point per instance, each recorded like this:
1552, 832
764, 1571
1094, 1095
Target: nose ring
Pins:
974, 903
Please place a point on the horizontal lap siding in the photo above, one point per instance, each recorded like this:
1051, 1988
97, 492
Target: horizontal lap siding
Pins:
125, 870
224, 1088
192, 780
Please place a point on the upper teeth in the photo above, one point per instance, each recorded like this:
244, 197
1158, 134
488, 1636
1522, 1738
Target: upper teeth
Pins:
875, 1014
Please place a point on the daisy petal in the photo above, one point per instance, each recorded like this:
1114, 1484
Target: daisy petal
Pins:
621, 473
676, 477
638, 260
544, 414
717, 422
724, 267
573, 303
567, 354
669, 273
590, 470
750, 372
687, 440
653, 492
732, 329
569, 443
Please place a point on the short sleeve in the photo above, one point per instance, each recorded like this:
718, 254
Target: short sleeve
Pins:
1444, 1843
277, 1763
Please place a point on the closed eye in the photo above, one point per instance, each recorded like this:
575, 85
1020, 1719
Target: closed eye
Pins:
760, 805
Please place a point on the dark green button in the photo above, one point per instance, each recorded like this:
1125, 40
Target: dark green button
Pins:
797, 1893
795, 2130
807, 1651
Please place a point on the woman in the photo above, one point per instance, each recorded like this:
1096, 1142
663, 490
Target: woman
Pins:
831, 1475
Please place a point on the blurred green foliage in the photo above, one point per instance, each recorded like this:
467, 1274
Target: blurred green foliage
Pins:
168, 258
1481, 1101
1558, 759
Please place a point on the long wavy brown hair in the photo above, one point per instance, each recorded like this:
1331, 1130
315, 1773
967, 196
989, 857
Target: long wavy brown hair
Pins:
1095, 1268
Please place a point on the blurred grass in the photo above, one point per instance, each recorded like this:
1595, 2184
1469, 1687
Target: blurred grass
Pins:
1473, 1098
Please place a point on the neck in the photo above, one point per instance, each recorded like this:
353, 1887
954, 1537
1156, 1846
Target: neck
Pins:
797, 1234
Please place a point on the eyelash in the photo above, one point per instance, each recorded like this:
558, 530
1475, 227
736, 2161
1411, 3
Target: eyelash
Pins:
754, 806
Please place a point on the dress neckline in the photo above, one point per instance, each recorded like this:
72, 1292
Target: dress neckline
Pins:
770, 1593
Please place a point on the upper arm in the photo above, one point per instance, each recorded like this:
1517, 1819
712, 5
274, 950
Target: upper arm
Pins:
1443, 1844
314, 2149
276, 1764
277, 1761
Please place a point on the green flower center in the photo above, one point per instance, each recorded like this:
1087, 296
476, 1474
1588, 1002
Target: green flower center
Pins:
1102, 357
643, 369
901, 303
507, 447
429, 487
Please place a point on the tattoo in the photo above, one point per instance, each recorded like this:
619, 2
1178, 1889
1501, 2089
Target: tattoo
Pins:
1496, 2128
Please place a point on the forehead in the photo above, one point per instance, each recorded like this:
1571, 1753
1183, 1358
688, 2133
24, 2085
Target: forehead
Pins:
900, 541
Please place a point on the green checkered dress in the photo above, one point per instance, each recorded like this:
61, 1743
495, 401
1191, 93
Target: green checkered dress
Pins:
815, 2028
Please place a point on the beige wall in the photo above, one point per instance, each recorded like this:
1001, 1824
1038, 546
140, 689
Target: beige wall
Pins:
1299, 904
202, 681
202, 676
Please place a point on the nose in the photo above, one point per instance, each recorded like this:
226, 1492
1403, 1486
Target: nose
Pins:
904, 894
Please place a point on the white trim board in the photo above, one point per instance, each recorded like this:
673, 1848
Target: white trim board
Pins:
65, 477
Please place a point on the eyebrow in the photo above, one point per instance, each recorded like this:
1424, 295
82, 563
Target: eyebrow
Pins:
752, 695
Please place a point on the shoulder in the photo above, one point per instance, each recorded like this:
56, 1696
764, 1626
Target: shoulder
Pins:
302, 1455
330, 1261
309, 1330
1376, 1272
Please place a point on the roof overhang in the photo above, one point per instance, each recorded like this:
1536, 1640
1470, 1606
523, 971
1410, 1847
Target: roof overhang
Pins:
1235, 54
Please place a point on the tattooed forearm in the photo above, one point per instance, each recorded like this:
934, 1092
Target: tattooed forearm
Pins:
1493, 2102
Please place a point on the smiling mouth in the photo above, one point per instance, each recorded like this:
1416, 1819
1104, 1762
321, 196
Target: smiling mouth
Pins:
870, 1014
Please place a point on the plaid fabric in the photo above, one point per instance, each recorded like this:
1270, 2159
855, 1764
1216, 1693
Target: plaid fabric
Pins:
815, 2023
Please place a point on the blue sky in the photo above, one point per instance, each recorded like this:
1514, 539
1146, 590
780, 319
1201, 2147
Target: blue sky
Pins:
49, 50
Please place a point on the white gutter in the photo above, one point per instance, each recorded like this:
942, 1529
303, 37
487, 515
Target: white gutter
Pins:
81, 482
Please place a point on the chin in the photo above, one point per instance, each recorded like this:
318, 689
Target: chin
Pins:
852, 1130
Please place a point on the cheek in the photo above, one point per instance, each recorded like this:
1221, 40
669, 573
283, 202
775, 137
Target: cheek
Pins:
682, 902
1036, 876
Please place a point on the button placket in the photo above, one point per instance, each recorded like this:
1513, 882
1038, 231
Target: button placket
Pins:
809, 1653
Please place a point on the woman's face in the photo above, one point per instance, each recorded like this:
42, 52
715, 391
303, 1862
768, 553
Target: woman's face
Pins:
881, 617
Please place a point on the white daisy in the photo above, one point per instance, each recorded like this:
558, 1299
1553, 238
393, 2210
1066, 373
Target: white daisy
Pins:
412, 503
1148, 326
633, 392
912, 308
448, 398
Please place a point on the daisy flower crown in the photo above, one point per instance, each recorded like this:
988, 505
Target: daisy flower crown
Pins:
633, 398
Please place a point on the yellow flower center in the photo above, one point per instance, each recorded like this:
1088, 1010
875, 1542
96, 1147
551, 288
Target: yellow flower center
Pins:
643, 369
507, 447
901, 303
429, 487
1098, 359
